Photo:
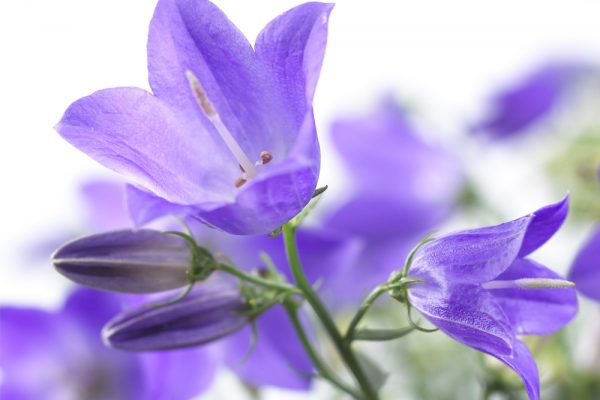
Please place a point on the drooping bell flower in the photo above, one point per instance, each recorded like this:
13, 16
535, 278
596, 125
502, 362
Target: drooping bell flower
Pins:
127, 261
60, 355
227, 134
400, 187
585, 271
479, 288
518, 108
210, 312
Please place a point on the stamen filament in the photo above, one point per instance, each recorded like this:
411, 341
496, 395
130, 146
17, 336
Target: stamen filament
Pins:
529, 283
211, 113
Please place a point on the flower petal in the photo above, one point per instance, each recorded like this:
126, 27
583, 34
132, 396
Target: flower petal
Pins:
535, 311
470, 256
278, 358
137, 135
585, 271
196, 35
546, 221
522, 363
291, 49
466, 313
145, 207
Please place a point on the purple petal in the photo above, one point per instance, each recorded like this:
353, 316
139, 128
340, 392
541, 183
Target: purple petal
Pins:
145, 207
195, 35
291, 49
179, 374
139, 136
209, 313
105, 204
522, 363
278, 358
126, 261
522, 106
535, 311
585, 271
466, 313
546, 221
471, 256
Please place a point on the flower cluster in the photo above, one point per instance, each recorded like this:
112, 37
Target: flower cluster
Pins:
226, 142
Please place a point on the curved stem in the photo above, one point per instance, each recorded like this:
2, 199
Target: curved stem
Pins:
289, 235
322, 369
258, 280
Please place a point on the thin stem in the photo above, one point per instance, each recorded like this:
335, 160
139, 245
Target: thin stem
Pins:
289, 235
258, 280
322, 369
368, 302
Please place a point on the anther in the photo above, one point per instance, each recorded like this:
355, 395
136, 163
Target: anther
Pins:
265, 157
240, 182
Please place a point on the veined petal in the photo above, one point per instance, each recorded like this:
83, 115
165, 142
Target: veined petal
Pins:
522, 362
291, 49
132, 132
126, 261
535, 311
196, 35
546, 221
472, 256
585, 271
466, 313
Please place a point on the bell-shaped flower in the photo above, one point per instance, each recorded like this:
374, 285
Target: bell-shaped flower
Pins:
585, 271
227, 134
518, 108
144, 261
210, 312
60, 355
478, 288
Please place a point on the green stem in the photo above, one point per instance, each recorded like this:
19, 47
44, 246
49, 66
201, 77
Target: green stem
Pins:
368, 302
258, 280
322, 369
289, 235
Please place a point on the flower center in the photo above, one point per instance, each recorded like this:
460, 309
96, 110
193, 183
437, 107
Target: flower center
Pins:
248, 168
529, 283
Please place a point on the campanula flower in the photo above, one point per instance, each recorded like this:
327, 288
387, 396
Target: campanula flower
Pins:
518, 108
585, 271
48, 355
479, 288
143, 261
227, 134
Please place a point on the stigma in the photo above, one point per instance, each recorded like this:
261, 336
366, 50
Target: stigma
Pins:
529, 283
248, 168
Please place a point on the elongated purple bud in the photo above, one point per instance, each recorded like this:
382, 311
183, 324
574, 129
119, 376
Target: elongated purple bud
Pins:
143, 261
208, 313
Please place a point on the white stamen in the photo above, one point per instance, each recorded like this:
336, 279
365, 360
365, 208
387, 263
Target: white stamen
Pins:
529, 283
211, 113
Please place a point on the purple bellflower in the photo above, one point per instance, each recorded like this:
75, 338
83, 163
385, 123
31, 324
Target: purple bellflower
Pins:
518, 108
59, 355
144, 261
478, 288
401, 188
227, 134
585, 271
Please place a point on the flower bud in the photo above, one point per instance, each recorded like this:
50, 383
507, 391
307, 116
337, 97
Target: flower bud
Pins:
143, 261
209, 312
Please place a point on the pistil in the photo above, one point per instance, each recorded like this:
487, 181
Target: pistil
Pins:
211, 113
529, 283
